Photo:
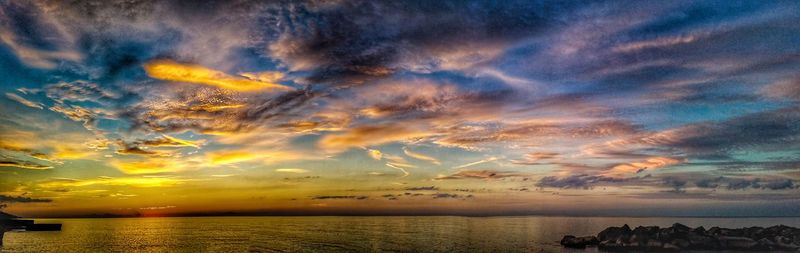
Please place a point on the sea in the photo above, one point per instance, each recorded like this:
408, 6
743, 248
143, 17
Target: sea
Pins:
337, 234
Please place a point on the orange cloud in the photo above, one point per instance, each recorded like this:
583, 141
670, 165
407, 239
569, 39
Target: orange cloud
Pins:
144, 182
368, 136
178, 72
147, 166
72, 153
375, 154
169, 141
636, 167
228, 157
236, 156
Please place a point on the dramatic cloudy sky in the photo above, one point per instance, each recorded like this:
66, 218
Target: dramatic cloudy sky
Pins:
394, 107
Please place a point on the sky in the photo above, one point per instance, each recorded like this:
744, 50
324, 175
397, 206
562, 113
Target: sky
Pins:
642, 108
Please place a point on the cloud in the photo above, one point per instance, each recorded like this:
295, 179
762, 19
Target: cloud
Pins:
19, 148
133, 150
38, 58
637, 167
157, 207
170, 70
583, 181
22, 199
709, 182
369, 136
401, 169
227, 157
139, 182
77, 113
449, 196
536, 158
23, 101
348, 42
758, 183
654, 43
148, 166
79, 91
490, 159
291, 170
785, 88
252, 154
375, 154
422, 188
23, 165
143, 146
422, 157
169, 141
536, 131
339, 197
762, 131
480, 174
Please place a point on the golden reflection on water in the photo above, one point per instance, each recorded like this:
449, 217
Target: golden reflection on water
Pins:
334, 234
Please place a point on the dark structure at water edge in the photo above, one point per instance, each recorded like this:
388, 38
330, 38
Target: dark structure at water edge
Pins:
9, 222
679, 237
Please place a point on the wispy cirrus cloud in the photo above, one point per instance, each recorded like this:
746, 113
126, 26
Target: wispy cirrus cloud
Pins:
24, 101
420, 156
480, 174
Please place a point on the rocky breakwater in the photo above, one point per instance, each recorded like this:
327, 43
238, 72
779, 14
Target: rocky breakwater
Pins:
679, 237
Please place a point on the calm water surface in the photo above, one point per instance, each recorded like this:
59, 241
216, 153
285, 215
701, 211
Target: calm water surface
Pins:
335, 234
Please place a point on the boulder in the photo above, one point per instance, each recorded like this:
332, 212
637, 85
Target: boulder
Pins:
700, 230
610, 245
653, 244
680, 227
670, 247
737, 242
570, 241
766, 244
784, 243
614, 233
702, 242
681, 243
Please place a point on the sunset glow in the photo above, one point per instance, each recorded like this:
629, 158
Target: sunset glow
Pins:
157, 108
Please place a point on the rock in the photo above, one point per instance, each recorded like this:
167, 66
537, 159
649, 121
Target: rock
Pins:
702, 242
681, 243
671, 247
699, 230
680, 227
609, 245
653, 243
736, 242
785, 243
570, 241
614, 233
766, 244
